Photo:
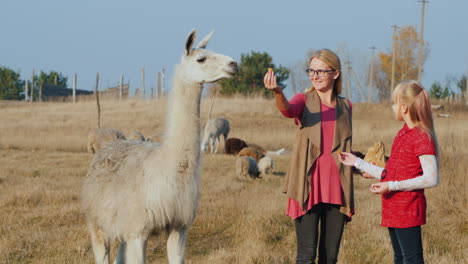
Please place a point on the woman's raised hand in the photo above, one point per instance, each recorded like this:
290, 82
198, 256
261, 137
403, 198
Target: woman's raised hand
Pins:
270, 81
347, 158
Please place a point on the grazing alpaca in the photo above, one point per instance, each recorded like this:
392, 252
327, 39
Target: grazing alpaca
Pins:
234, 145
213, 129
257, 147
267, 152
266, 165
135, 188
247, 166
251, 152
99, 138
376, 154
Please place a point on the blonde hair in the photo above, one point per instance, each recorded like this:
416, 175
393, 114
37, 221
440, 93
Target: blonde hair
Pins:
330, 58
416, 98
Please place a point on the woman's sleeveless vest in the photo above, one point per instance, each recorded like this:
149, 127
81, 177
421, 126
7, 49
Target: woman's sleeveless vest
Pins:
306, 150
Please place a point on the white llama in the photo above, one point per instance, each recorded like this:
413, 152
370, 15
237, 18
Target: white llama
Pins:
213, 130
135, 188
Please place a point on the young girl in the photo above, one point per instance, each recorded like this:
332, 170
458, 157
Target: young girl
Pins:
411, 168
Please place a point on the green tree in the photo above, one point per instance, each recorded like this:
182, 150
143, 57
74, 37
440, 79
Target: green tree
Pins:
249, 80
437, 91
54, 78
11, 87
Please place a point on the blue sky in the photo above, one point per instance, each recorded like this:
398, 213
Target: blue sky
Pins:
120, 37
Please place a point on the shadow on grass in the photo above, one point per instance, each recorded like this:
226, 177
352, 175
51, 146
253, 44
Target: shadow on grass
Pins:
279, 173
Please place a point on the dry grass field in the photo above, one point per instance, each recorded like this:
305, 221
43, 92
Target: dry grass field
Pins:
43, 162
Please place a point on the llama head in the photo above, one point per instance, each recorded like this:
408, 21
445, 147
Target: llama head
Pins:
200, 65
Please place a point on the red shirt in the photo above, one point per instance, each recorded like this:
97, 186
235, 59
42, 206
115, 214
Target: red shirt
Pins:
402, 209
325, 184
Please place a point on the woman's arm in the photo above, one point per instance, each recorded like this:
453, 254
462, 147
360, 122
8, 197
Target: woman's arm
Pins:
281, 102
429, 179
290, 109
270, 83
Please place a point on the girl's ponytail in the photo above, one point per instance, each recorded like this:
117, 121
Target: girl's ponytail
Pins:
417, 99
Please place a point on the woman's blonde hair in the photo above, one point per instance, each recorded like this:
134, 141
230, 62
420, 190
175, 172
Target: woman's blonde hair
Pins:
330, 58
416, 98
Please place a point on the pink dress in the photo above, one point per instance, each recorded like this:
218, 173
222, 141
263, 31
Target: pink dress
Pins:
325, 184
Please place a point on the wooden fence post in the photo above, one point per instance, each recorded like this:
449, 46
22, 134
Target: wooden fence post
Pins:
74, 88
96, 92
162, 82
121, 87
158, 84
40, 91
26, 90
32, 87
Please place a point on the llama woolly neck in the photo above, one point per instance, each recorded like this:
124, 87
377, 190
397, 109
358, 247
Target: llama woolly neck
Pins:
183, 116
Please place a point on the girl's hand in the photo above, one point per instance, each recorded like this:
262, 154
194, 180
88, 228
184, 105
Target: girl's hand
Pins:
366, 175
379, 188
347, 158
270, 82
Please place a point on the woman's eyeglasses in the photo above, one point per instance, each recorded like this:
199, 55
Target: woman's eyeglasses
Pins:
319, 73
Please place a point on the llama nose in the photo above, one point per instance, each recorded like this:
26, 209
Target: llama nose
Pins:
233, 65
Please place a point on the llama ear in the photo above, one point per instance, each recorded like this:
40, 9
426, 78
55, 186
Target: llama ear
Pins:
205, 40
189, 42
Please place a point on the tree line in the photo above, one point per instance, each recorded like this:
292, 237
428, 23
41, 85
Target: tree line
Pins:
12, 87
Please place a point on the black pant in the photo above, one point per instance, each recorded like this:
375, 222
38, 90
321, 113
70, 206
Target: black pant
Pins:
331, 230
407, 245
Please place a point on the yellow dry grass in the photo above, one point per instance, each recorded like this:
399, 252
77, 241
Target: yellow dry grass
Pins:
43, 161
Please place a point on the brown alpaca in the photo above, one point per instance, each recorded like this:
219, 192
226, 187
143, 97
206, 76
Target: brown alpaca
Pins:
234, 145
257, 147
251, 152
376, 154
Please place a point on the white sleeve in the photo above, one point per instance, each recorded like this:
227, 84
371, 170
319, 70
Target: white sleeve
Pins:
373, 170
430, 177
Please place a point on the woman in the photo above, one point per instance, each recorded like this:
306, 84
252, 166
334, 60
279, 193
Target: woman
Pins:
319, 187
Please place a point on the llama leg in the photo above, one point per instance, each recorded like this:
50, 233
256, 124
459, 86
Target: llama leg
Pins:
212, 143
100, 245
135, 251
176, 246
120, 259
216, 145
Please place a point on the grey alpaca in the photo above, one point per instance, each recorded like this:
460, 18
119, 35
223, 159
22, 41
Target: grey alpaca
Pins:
213, 130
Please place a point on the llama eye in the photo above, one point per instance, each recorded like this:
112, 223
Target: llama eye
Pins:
201, 60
